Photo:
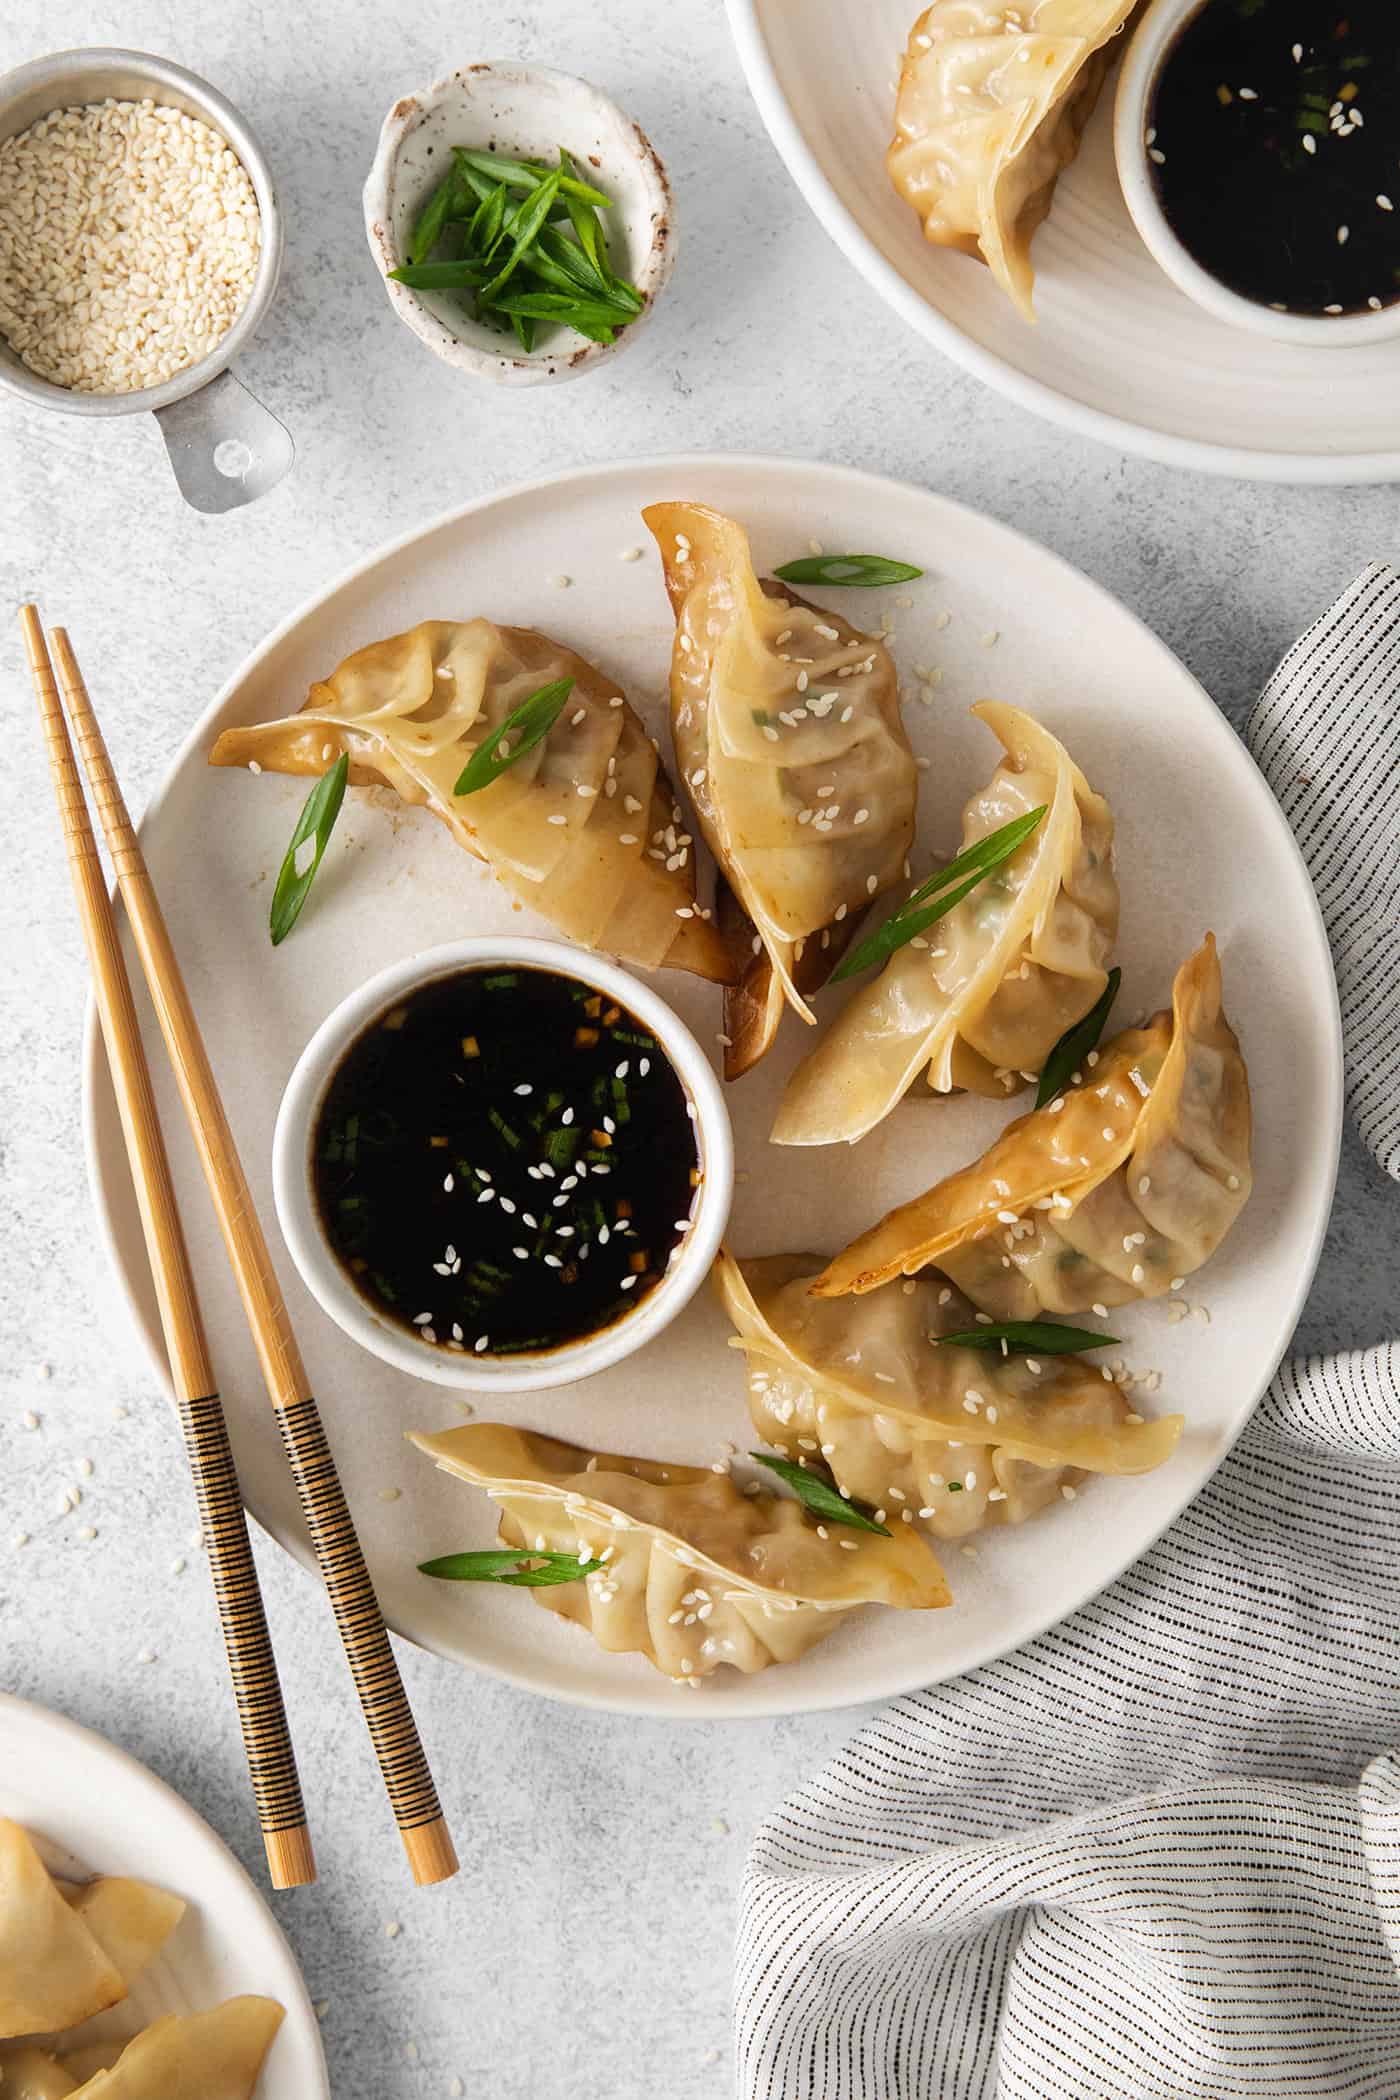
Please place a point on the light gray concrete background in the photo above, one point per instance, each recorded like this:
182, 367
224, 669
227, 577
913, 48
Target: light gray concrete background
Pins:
585, 1948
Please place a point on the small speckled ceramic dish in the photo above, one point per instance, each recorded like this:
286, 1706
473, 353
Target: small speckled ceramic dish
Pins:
527, 112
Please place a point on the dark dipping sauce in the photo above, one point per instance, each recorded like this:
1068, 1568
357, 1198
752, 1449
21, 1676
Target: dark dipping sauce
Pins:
1275, 148
505, 1161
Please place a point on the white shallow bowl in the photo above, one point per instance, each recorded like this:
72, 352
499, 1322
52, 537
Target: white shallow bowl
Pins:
1152, 44
524, 113
1201, 843
1119, 352
93, 1810
325, 1278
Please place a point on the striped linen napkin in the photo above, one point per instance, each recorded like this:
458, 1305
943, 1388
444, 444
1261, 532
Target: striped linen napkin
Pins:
1155, 1854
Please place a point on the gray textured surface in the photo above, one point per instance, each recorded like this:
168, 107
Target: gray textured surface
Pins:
585, 1948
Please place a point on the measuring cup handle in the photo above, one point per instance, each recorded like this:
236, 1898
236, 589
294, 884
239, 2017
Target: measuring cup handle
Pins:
225, 447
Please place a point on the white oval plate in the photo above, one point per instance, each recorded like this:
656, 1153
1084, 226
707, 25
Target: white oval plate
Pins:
94, 1810
1201, 844
1118, 352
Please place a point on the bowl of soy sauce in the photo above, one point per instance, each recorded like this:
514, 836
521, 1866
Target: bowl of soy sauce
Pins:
1255, 142
504, 1164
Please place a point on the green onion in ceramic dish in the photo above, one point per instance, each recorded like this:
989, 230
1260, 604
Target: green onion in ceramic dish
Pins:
524, 243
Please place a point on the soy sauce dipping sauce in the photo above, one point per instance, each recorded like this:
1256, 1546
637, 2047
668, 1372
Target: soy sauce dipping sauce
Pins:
1273, 139
505, 1161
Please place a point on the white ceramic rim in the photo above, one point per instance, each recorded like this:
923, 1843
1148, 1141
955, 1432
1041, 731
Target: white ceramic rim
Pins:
1327, 1112
512, 368
327, 1281
1152, 44
1303, 469
158, 1804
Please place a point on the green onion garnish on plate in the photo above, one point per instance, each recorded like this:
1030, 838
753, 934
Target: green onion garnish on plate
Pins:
817, 1491
309, 842
521, 1569
1076, 1043
1027, 1338
956, 881
850, 571
521, 730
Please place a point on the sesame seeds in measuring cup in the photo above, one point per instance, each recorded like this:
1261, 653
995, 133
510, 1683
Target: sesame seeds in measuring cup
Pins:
129, 244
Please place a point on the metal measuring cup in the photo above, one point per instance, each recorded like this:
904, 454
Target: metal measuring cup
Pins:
224, 446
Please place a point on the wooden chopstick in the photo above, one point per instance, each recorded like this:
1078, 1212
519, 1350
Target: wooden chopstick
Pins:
393, 1731
266, 1741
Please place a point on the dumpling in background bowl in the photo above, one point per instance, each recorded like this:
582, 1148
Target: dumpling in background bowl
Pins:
991, 108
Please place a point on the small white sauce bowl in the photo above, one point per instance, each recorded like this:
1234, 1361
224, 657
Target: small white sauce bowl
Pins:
1146, 56
525, 113
320, 1267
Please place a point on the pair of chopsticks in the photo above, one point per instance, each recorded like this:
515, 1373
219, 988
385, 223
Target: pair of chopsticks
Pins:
267, 1742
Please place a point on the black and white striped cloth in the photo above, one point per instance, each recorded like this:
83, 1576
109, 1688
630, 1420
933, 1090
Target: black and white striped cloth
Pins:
1155, 1855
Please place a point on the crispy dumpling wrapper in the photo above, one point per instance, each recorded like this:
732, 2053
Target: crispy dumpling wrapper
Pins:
585, 828
698, 1574
985, 994
789, 740
990, 110
130, 1920
27, 2073
82, 2064
959, 1438
54, 1972
214, 2055
1119, 1189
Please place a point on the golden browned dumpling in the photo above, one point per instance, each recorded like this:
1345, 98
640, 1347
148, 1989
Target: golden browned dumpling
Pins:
585, 827
992, 103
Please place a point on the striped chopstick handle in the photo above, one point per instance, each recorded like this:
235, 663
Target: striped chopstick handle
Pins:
412, 1795
247, 1644
276, 1787
393, 1732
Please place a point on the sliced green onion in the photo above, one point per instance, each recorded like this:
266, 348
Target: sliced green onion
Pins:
563, 263
432, 219
487, 223
1076, 1043
816, 1491
1028, 1338
588, 227
528, 218
319, 812
969, 869
523, 1569
524, 728
438, 276
858, 571
526, 175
